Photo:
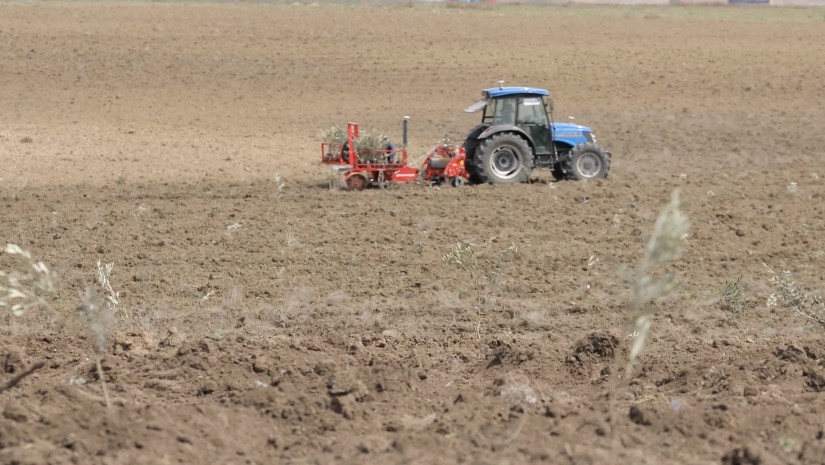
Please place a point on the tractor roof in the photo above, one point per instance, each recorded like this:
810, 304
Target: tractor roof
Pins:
495, 92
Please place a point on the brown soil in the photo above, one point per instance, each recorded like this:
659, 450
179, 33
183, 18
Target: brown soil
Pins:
260, 324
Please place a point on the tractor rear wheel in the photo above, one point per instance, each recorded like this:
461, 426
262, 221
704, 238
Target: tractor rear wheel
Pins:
503, 158
587, 161
470, 146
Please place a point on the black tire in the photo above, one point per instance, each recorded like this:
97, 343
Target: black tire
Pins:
503, 158
558, 172
587, 161
470, 147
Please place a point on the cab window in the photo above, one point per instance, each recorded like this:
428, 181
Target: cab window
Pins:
501, 111
531, 111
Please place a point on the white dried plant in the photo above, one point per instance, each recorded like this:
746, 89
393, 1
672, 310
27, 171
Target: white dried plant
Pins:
26, 289
647, 283
233, 228
790, 294
104, 275
280, 185
112, 298
206, 296
291, 237
234, 298
138, 211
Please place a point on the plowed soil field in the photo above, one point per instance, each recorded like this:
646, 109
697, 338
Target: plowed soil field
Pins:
264, 317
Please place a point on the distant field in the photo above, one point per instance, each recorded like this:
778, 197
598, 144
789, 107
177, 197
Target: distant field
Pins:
265, 318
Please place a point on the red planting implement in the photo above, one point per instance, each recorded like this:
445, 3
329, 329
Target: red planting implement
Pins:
361, 168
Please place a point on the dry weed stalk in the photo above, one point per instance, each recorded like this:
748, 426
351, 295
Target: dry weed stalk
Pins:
484, 276
291, 237
27, 290
104, 274
664, 246
734, 299
280, 185
102, 316
791, 295
21, 291
101, 319
233, 228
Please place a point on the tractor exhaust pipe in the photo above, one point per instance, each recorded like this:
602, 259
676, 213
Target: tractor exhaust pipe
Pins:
404, 129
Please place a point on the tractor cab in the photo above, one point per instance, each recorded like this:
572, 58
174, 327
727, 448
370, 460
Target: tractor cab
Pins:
522, 107
520, 119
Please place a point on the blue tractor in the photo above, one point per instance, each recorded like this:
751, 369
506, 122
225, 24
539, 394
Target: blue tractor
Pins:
517, 134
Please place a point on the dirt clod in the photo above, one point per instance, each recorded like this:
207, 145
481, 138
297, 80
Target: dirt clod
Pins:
344, 405
741, 456
12, 362
815, 379
15, 412
599, 346
637, 415
588, 354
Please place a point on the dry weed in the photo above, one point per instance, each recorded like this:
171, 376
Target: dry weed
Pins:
485, 275
734, 300
101, 319
790, 294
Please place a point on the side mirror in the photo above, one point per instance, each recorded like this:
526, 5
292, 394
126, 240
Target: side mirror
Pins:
548, 105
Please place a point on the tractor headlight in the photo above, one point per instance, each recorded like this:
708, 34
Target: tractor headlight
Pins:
591, 136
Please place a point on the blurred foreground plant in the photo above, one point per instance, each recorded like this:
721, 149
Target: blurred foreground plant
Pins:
664, 246
26, 289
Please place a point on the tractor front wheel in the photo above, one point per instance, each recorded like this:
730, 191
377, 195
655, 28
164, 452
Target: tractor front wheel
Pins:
588, 161
503, 158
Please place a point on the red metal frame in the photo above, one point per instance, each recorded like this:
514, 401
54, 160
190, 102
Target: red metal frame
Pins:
366, 163
445, 163
362, 169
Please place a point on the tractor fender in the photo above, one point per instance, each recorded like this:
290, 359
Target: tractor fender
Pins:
506, 128
474, 133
